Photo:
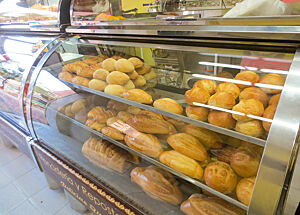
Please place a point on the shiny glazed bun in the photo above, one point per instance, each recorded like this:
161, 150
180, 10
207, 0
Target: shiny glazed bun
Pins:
248, 107
222, 119
168, 104
272, 79
222, 100
269, 114
249, 76
109, 64
196, 112
123, 65
252, 128
274, 100
229, 88
255, 93
207, 84
244, 190
197, 94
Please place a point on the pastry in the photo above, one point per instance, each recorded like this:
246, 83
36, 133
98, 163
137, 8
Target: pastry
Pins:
229, 88
247, 107
222, 119
188, 145
147, 144
207, 84
124, 115
272, 79
219, 176
117, 77
66, 76
196, 112
79, 105
136, 62
86, 72
129, 85
222, 100
123, 65
157, 183
94, 124
252, 128
114, 89
244, 190
115, 105
133, 110
104, 154
97, 84
138, 95
254, 93
150, 75
144, 69
169, 105
112, 133
247, 76
182, 163
139, 81
81, 81
274, 100
269, 114
100, 74
198, 95
99, 114
133, 75
109, 64
208, 138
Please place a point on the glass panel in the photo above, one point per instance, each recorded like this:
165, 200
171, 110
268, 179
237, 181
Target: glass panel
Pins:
200, 114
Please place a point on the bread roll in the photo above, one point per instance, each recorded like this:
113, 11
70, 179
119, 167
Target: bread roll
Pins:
182, 163
222, 100
178, 124
244, 190
229, 88
254, 93
123, 65
157, 183
274, 100
100, 74
109, 64
124, 115
207, 84
136, 62
219, 176
94, 125
225, 154
139, 81
150, 114
78, 105
112, 133
231, 141
115, 105
133, 110
138, 95
117, 77
272, 79
99, 114
73, 67
196, 112
248, 107
147, 144
252, 128
91, 60
114, 89
81, 81
150, 75
85, 72
129, 85
222, 119
112, 120
95, 67
197, 94
68, 111
144, 69
208, 138
66, 76
245, 162
269, 114
249, 76
97, 84
133, 75
169, 105
188, 145
199, 204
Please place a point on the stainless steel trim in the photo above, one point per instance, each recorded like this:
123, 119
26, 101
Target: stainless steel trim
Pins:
33, 155
277, 161
13, 127
71, 11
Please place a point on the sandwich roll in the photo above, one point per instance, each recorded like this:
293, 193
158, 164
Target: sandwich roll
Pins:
109, 64
272, 79
136, 62
65, 76
197, 112
229, 88
97, 84
222, 99
138, 95
114, 89
197, 94
207, 84
169, 105
85, 72
248, 107
248, 76
117, 77
100, 74
254, 93
252, 128
123, 65
78, 106
222, 119
244, 190
112, 133
80, 81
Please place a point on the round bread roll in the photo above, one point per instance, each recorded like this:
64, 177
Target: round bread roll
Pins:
112, 132
124, 65
78, 106
196, 112
274, 100
222, 100
100, 74
244, 190
272, 79
137, 63
248, 106
144, 69
207, 84
139, 81
219, 176
133, 110
269, 114
97, 84
255, 93
138, 95
133, 75
66, 76
117, 77
129, 85
229, 88
197, 94
109, 64
252, 128
249, 76
113, 89
124, 115
81, 81
150, 75
169, 105
222, 119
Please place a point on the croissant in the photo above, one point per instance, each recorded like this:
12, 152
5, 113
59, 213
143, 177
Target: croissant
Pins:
100, 114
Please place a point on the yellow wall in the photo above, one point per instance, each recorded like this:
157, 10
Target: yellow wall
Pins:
130, 4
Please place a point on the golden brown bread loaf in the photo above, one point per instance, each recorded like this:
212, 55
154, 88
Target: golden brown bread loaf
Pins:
178, 124
196, 112
97, 84
274, 100
68, 111
114, 89
208, 138
91, 60
66, 76
117, 106
144, 69
272, 79
229, 88
117, 77
199, 95
124, 115
137, 63
169, 105
112, 120
109, 64
100, 114
245, 162
224, 74
188, 145
80, 81
248, 107
219, 176
86, 72
104, 154
73, 67
100, 74
252, 128
133, 110
207, 84
269, 114
222, 119
225, 154
244, 190
138, 95
139, 81
112, 132
147, 144
222, 100
94, 125
129, 85
254, 93
133, 75
157, 183
151, 114
123, 65
248, 76
78, 105
198, 204
150, 75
